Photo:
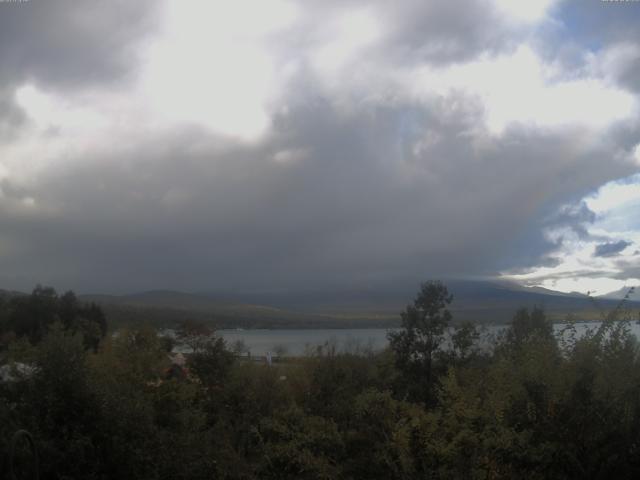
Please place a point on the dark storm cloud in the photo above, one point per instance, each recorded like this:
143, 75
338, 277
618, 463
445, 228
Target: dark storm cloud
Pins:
388, 193
68, 46
610, 249
71, 44
575, 217
361, 206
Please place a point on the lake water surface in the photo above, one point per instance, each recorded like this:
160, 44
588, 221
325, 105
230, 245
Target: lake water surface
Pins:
301, 341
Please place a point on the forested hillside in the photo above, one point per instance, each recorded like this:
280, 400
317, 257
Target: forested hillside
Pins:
476, 301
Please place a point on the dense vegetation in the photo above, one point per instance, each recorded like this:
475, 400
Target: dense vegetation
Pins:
434, 405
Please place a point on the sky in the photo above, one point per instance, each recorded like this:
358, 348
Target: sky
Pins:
290, 146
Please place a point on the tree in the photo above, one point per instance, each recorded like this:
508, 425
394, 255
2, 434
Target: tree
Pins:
31, 316
381, 441
298, 446
194, 335
463, 342
212, 362
61, 408
91, 322
420, 339
527, 326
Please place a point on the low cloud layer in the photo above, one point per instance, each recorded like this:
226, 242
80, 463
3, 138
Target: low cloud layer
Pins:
316, 146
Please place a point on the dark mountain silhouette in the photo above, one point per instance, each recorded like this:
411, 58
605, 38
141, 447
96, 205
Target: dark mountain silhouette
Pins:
480, 301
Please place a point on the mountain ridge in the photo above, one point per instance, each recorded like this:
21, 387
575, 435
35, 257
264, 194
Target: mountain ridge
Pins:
473, 300
479, 301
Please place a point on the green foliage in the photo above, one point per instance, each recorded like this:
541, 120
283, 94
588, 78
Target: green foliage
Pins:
379, 438
299, 446
420, 340
58, 405
334, 381
434, 405
464, 339
527, 326
32, 316
212, 363
195, 335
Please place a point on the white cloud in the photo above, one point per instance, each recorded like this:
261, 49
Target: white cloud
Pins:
595, 286
211, 65
290, 156
49, 111
613, 61
526, 11
579, 268
516, 88
349, 32
614, 195
58, 127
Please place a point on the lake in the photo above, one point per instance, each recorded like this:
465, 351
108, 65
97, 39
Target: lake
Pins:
301, 341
